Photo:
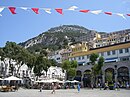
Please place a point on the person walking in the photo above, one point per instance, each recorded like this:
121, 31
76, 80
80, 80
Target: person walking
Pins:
78, 87
41, 88
53, 88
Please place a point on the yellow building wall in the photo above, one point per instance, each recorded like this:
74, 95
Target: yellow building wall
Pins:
99, 50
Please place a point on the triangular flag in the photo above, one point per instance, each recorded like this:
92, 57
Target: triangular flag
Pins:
96, 11
35, 10
85, 11
47, 10
12, 10
1, 9
119, 14
72, 8
59, 10
108, 13
128, 14
24, 8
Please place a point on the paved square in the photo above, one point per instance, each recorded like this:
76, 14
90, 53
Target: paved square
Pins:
67, 93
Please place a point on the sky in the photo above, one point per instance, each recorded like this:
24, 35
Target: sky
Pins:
26, 24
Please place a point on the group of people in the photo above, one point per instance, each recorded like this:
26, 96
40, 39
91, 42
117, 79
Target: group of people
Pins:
54, 87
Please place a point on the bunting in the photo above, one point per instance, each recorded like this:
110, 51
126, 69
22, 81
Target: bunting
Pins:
1, 9
128, 14
60, 10
24, 8
12, 10
108, 13
35, 10
121, 15
73, 8
84, 11
47, 10
96, 12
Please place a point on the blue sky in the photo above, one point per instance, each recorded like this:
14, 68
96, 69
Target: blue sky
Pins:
26, 24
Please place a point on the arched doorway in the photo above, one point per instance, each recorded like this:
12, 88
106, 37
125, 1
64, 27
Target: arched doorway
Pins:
87, 78
78, 75
109, 75
123, 76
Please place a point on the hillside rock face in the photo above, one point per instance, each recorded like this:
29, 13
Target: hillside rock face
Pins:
57, 37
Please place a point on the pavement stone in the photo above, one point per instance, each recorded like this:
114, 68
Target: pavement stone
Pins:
67, 93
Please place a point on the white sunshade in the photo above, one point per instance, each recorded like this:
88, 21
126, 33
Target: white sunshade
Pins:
68, 81
43, 81
1, 79
49, 81
74, 81
12, 78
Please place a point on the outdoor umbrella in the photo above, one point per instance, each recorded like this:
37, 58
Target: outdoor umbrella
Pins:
12, 78
1, 79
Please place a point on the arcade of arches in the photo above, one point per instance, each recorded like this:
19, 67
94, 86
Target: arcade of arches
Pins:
113, 73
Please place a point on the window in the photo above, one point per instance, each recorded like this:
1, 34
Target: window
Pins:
126, 50
79, 58
58, 58
121, 51
113, 52
124, 59
88, 56
82, 57
102, 54
108, 53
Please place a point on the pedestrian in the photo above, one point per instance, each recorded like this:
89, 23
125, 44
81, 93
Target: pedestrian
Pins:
92, 86
78, 87
53, 88
40, 88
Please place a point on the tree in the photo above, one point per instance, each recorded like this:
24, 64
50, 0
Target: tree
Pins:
93, 58
73, 64
96, 69
100, 64
71, 72
11, 49
66, 65
39, 64
18, 54
53, 62
70, 67
109, 76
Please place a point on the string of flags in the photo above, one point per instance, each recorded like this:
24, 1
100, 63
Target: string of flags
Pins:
60, 10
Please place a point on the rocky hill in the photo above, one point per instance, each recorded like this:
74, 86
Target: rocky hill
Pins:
59, 37
56, 38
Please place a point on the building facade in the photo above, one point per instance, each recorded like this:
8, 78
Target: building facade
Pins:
117, 61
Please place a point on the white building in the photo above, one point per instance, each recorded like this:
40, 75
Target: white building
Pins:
56, 72
56, 55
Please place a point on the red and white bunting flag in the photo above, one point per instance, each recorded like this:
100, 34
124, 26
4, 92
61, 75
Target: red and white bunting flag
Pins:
73, 8
108, 13
84, 11
59, 10
96, 12
1, 9
12, 10
47, 10
119, 14
24, 8
36, 10
128, 14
